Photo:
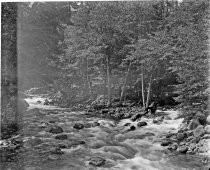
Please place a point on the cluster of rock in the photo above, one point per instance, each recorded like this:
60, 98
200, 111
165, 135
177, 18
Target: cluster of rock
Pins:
191, 138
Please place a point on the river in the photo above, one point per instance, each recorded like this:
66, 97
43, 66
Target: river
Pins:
139, 149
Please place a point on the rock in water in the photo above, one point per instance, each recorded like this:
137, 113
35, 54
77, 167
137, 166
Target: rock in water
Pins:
181, 136
142, 124
165, 143
56, 129
46, 102
201, 118
132, 128
61, 137
97, 161
199, 131
56, 151
94, 124
78, 126
173, 146
182, 149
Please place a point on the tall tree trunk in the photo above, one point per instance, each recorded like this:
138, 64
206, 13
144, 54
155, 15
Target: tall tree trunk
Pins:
88, 80
125, 82
149, 90
142, 87
108, 81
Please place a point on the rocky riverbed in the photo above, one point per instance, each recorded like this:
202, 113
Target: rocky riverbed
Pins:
56, 138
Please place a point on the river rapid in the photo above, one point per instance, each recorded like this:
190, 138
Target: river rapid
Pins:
121, 149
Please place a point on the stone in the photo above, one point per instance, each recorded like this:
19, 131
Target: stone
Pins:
142, 124
46, 102
165, 143
173, 146
56, 129
201, 118
56, 151
208, 120
61, 136
207, 129
103, 111
132, 128
158, 119
94, 124
74, 143
62, 145
182, 149
78, 126
199, 131
97, 161
192, 146
194, 123
181, 136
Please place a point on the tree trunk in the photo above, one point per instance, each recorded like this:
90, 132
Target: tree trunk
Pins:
89, 82
142, 87
125, 82
108, 81
149, 90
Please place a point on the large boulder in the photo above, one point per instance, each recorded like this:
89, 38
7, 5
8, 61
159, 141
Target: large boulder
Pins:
199, 131
61, 136
78, 126
55, 129
165, 143
142, 124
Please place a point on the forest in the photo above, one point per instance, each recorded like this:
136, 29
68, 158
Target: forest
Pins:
102, 57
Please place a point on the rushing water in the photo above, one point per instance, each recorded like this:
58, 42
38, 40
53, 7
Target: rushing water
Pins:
123, 150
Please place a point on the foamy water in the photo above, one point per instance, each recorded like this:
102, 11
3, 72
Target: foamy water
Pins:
122, 149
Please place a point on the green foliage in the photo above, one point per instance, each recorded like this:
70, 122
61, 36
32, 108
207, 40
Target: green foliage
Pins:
91, 49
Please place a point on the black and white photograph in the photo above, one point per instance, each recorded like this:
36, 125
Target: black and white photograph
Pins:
105, 85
